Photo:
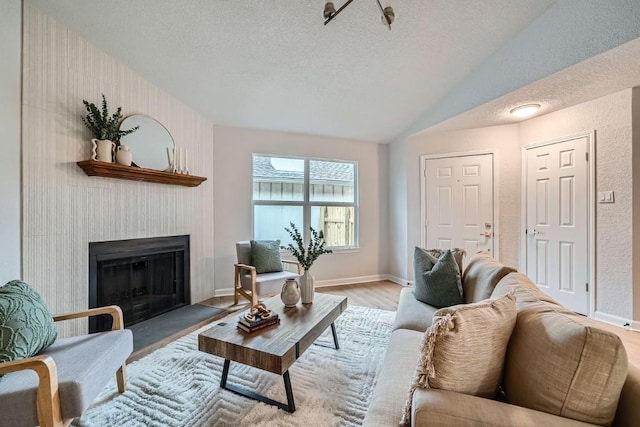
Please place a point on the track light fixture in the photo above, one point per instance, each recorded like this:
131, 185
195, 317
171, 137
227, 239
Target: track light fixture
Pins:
386, 13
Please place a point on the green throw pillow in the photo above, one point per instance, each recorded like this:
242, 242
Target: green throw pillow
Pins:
265, 256
439, 286
26, 326
422, 261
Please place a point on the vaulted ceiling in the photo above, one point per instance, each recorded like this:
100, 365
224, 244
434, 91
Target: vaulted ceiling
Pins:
272, 64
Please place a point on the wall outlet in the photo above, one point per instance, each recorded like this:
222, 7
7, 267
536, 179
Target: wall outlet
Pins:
605, 197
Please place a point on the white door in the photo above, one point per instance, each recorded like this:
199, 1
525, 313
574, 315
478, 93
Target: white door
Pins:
458, 203
557, 244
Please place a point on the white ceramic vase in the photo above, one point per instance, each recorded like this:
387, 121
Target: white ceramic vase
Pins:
123, 155
306, 287
103, 150
290, 294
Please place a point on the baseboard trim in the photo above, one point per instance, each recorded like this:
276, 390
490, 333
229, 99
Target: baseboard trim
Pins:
398, 280
350, 280
617, 321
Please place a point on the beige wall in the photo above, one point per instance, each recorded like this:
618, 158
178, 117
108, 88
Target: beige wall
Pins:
63, 209
10, 72
233, 191
610, 117
502, 139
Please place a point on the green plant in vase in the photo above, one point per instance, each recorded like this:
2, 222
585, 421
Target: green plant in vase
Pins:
306, 256
104, 129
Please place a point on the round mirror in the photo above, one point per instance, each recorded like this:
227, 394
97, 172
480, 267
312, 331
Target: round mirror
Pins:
151, 145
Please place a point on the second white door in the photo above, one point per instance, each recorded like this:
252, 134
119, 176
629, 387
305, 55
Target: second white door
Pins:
557, 215
458, 203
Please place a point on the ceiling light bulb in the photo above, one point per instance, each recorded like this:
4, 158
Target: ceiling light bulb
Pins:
388, 15
525, 110
329, 10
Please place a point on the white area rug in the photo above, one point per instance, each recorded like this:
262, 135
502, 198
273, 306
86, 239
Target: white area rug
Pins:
178, 385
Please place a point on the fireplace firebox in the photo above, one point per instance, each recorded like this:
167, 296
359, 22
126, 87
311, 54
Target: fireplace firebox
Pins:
145, 277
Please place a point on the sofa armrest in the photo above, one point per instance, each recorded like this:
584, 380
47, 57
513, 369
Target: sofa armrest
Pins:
48, 399
433, 407
113, 310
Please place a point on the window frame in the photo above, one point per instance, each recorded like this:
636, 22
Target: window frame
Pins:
307, 204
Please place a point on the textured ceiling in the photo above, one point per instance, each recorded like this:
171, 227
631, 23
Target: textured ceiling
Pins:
603, 74
271, 64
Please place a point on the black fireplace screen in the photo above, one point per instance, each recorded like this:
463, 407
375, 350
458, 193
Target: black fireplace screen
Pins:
145, 277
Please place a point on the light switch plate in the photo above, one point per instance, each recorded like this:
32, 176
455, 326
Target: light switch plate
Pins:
606, 197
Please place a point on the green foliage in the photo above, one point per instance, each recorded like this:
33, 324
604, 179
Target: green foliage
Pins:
101, 125
315, 248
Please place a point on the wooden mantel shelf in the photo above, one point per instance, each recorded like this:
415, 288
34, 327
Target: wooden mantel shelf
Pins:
114, 170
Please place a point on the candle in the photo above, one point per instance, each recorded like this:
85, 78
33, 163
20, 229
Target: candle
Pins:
186, 163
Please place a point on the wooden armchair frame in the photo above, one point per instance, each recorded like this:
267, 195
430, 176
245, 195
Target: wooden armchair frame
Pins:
253, 296
48, 398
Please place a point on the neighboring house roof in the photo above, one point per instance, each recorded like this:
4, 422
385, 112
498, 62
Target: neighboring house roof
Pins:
325, 171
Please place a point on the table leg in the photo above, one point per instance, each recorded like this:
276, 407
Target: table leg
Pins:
335, 336
289, 391
225, 373
290, 406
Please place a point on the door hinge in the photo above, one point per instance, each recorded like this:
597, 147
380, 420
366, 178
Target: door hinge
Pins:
586, 156
586, 285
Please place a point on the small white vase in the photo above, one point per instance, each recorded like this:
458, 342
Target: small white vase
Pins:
290, 294
306, 287
103, 150
123, 155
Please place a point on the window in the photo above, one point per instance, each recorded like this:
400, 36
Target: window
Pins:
322, 194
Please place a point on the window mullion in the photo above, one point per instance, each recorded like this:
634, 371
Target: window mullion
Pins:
306, 235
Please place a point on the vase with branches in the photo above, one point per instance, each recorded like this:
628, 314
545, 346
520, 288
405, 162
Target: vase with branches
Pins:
105, 129
306, 256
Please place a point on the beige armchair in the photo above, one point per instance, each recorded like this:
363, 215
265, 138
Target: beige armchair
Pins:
251, 285
69, 374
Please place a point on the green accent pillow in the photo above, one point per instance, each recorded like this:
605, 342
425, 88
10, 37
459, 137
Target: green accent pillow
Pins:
439, 286
26, 326
265, 256
422, 261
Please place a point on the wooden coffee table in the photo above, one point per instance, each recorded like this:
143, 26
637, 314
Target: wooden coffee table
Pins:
274, 348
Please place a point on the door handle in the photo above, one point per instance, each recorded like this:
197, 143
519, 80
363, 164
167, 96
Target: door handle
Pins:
532, 232
486, 234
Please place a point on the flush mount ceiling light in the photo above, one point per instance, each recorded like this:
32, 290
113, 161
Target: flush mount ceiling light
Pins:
525, 110
386, 13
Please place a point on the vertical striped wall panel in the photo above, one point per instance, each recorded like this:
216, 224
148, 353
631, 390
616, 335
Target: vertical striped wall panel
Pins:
63, 209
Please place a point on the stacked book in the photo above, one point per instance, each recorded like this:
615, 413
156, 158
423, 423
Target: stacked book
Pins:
258, 322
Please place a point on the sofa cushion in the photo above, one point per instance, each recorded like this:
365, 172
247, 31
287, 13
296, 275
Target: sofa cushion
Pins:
526, 291
26, 326
433, 407
440, 286
481, 275
464, 349
413, 314
397, 369
557, 362
265, 256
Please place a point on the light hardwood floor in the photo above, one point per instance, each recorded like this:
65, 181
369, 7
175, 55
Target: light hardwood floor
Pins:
384, 295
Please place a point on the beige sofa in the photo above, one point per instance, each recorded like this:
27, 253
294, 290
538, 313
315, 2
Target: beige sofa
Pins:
556, 361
